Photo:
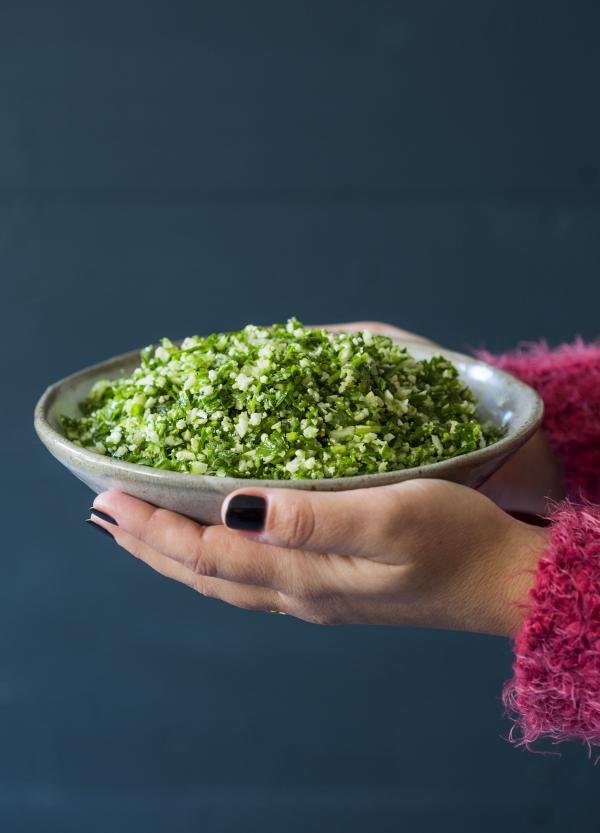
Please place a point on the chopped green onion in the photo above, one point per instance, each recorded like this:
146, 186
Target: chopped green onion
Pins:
282, 402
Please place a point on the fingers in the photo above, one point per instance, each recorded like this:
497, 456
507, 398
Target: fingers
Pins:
319, 587
249, 597
377, 327
210, 551
219, 553
360, 522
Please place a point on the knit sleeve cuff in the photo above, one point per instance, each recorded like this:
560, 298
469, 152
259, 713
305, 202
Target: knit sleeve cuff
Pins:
555, 689
568, 380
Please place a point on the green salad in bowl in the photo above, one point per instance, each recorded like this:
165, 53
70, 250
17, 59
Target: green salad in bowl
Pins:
184, 424
284, 402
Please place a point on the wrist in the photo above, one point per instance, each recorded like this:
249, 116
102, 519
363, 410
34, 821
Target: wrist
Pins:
491, 587
517, 569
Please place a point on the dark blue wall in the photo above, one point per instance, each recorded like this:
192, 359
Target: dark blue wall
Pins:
170, 168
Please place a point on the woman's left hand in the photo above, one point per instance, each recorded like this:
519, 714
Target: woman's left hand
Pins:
424, 553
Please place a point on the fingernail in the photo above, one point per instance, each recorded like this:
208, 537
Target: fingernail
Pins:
246, 512
98, 527
103, 516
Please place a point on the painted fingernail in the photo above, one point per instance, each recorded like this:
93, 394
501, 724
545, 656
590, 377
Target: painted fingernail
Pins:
98, 527
246, 512
103, 516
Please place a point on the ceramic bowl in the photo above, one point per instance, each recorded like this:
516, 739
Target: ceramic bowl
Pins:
505, 400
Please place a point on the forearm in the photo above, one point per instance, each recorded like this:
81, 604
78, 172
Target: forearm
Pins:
555, 690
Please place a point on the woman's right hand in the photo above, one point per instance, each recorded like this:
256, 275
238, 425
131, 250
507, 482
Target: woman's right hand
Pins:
528, 480
424, 553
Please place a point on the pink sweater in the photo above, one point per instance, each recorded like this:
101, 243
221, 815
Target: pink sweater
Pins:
555, 689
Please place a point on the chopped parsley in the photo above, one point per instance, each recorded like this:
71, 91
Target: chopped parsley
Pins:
282, 402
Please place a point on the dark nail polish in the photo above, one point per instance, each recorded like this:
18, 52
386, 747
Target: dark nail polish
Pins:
246, 512
103, 516
99, 528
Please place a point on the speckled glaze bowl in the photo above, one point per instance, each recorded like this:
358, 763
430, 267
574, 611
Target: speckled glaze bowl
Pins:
505, 400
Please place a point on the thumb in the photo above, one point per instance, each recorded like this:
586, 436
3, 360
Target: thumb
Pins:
352, 522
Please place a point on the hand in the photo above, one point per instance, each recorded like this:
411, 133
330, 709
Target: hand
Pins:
378, 327
424, 553
529, 480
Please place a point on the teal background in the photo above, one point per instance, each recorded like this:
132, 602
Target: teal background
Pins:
186, 167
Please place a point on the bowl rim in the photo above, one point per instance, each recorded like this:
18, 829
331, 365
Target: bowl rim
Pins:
528, 423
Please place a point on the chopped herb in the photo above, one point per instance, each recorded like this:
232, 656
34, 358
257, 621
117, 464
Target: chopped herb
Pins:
282, 402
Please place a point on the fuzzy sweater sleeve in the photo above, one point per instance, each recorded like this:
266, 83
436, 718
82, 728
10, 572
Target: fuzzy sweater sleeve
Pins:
555, 689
